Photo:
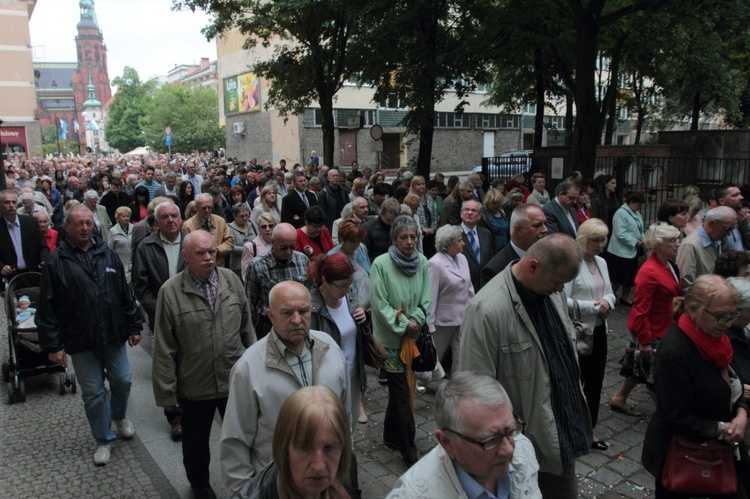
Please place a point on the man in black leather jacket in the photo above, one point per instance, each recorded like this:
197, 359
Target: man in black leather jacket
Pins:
87, 310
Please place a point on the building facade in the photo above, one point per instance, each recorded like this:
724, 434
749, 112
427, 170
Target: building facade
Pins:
20, 133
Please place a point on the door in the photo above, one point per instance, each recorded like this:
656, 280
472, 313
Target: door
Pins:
390, 158
347, 147
488, 145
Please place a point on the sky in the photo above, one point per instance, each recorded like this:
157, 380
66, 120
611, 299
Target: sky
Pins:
144, 34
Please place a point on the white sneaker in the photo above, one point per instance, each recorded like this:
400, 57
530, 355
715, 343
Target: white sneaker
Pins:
124, 428
101, 456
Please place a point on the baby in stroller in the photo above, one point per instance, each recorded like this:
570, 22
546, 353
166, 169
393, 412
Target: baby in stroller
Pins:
25, 313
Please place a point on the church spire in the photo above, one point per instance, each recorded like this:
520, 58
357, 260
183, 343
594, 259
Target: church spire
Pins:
92, 102
88, 14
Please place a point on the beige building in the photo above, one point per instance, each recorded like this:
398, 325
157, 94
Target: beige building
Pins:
461, 140
20, 133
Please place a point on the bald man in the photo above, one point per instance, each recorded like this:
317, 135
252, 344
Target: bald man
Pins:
203, 326
517, 330
280, 264
289, 357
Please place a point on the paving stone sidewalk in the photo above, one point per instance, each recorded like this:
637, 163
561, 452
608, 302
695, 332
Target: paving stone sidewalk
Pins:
46, 448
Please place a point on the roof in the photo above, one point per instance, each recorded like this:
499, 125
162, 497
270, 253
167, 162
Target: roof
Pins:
54, 74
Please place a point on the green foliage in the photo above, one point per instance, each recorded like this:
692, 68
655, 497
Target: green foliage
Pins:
49, 135
122, 130
191, 111
311, 56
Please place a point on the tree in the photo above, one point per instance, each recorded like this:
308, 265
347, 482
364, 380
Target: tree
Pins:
122, 129
311, 41
191, 112
49, 136
424, 49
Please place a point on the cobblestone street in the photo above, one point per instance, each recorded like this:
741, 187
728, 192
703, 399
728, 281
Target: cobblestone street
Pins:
46, 447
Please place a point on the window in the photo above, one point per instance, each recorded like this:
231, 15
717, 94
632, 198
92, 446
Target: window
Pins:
557, 122
452, 120
392, 101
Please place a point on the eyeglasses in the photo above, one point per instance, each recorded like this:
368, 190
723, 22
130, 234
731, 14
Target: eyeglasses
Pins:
489, 443
727, 229
341, 287
724, 319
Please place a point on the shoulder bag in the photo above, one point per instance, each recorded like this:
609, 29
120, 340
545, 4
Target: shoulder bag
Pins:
699, 467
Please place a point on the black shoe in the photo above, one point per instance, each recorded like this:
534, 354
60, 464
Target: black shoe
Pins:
204, 492
599, 445
391, 445
382, 378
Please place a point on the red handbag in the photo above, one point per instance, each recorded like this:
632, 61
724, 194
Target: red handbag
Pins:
699, 467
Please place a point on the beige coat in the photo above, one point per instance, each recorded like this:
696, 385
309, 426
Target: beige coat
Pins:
498, 339
219, 230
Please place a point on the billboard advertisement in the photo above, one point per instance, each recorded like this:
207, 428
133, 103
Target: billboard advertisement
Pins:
241, 93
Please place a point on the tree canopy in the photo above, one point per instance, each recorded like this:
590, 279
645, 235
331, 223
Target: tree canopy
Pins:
192, 113
122, 129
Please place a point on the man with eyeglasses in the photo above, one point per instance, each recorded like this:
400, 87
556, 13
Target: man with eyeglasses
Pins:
517, 330
280, 264
482, 451
203, 327
698, 251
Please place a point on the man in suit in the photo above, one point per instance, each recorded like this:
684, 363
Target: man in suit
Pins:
560, 212
478, 192
157, 258
479, 243
22, 245
297, 201
527, 225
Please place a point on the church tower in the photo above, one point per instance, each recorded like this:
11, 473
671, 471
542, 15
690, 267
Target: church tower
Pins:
92, 60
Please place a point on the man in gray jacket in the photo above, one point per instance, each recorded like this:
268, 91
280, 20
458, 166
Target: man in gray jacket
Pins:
289, 357
517, 330
203, 327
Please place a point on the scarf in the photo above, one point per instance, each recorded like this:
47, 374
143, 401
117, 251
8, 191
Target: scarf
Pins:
715, 350
408, 265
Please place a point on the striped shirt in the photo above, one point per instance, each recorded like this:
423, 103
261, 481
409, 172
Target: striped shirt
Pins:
265, 272
300, 363
564, 385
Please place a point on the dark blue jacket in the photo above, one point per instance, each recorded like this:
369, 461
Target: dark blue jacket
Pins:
82, 310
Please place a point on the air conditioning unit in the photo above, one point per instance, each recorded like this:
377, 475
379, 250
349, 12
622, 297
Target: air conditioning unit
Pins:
353, 122
239, 127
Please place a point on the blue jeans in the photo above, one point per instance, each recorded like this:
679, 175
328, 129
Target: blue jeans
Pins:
90, 373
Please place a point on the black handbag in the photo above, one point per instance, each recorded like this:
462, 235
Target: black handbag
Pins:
427, 359
373, 353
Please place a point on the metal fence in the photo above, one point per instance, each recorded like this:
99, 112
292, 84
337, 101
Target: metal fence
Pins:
660, 178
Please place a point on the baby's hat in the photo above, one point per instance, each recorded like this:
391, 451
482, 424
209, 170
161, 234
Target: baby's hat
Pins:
24, 298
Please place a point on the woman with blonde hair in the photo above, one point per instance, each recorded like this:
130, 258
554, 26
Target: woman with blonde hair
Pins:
425, 210
656, 285
266, 204
494, 218
311, 437
591, 292
120, 237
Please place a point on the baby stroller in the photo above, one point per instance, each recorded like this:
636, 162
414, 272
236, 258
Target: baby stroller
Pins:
26, 358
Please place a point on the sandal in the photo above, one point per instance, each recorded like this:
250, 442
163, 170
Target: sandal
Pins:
624, 409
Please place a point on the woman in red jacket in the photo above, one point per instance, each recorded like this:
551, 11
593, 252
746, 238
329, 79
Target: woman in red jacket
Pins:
656, 285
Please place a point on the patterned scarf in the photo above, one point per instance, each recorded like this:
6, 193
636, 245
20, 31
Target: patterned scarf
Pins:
408, 265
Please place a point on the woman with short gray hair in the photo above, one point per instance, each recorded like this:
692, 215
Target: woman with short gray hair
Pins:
400, 298
244, 231
452, 291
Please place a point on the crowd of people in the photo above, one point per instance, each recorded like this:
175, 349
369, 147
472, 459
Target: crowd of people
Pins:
261, 287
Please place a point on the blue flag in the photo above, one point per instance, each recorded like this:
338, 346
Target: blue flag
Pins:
63, 130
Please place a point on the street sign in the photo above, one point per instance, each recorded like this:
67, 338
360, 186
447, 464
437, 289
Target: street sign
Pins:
168, 140
167, 130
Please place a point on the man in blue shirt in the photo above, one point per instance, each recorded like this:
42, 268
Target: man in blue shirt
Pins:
482, 453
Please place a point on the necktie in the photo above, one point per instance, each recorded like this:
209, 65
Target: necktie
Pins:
207, 225
474, 244
304, 199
